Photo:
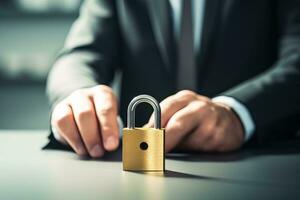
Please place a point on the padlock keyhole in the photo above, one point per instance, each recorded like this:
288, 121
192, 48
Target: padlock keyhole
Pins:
144, 146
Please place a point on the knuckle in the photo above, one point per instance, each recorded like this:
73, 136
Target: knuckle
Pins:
104, 88
61, 116
177, 124
168, 105
168, 102
219, 130
186, 94
198, 105
79, 92
105, 95
205, 106
209, 130
213, 109
85, 114
62, 120
106, 109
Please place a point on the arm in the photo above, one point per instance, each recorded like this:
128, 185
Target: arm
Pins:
84, 109
274, 95
89, 55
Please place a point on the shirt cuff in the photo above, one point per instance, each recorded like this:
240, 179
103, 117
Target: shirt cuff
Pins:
242, 112
60, 139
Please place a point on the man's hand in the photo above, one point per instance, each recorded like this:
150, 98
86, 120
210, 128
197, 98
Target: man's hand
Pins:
193, 122
87, 120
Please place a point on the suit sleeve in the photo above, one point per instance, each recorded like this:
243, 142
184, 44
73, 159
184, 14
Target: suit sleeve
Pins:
273, 97
89, 57
90, 53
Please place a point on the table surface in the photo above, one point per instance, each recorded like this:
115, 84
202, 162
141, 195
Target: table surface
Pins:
28, 172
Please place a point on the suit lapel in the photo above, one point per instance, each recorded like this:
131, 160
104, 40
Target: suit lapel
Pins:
161, 24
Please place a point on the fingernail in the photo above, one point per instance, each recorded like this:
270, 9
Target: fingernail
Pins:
146, 126
96, 151
80, 150
110, 143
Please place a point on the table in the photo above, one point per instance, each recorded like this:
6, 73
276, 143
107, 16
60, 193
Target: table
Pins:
27, 172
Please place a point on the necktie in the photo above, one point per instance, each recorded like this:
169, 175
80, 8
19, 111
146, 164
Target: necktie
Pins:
186, 71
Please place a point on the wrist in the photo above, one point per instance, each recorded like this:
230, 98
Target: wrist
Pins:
241, 111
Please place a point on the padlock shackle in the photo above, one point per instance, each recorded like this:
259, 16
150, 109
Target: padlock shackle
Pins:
143, 99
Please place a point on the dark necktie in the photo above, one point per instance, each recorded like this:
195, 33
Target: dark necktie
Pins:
186, 71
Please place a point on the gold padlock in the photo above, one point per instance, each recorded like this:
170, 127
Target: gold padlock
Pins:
143, 148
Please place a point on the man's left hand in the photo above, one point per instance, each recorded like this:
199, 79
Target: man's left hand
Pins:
193, 122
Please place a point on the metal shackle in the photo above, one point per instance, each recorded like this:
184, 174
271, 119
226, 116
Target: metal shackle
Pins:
143, 99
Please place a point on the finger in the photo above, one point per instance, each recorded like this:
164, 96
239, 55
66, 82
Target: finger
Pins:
171, 105
106, 110
87, 123
181, 124
204, 137
63, 120
197, 141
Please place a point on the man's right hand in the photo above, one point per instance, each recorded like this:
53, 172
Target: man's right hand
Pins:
87, 120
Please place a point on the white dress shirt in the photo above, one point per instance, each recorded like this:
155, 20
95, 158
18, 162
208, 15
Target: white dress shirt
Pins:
198, 15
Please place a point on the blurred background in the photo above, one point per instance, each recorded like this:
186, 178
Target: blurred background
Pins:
31, 34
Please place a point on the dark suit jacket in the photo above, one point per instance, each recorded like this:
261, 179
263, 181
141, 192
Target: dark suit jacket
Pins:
250, 50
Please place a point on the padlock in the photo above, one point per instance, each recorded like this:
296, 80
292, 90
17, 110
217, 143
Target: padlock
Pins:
143, 148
